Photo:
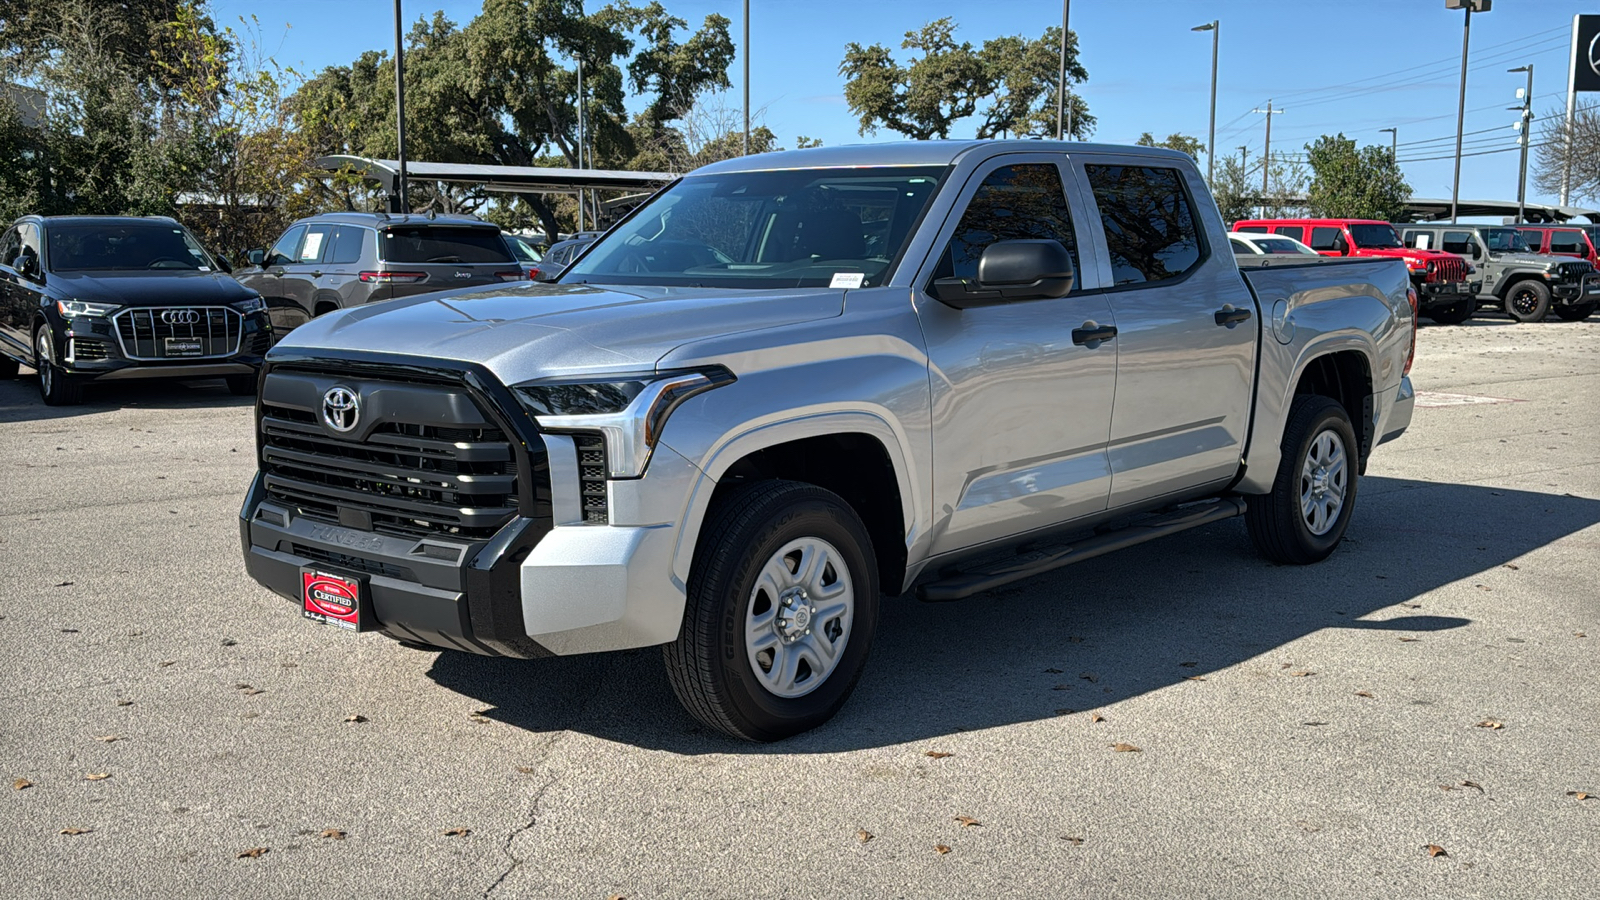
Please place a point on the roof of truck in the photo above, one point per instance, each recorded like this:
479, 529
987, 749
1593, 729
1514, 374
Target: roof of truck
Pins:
914, 153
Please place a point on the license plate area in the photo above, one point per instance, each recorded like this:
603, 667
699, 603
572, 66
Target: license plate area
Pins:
343, 601
183, 347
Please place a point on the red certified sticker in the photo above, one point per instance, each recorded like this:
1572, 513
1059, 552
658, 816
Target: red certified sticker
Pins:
332, 600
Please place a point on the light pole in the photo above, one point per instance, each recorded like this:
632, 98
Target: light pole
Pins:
746, 77
1471, 6
1061, 80
400, 111
1394, 142
1211, 140
1525, 137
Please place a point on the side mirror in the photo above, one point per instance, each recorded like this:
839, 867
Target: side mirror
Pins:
1340, 245
255, 257
224, 264
1477, 251
1010, 271
27, 265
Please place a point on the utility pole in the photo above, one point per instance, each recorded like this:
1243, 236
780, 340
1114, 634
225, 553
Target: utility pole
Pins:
1471, 6
1394, 143
1524, 137
1211, 141
580, 140
746, 55
400, 110
1061, 80
1266, 160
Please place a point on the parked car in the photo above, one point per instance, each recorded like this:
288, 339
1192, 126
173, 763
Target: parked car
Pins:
739, 418
1444, 282
1564, 240
1516, 279
101, 298
526, 254
337, 260
1246, 244
563, 252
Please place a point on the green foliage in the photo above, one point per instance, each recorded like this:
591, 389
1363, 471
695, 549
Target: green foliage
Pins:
1182, 143
950, 82
1351, 183
1235, 189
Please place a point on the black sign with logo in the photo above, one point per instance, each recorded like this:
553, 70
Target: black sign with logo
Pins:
1586, 67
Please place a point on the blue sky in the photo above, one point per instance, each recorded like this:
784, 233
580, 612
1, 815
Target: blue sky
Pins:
1354, 65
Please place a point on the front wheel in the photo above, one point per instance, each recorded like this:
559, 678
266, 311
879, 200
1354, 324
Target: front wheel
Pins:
1527, 301
782, 607
1577, 312
56, 387
1302, 520
1455, 313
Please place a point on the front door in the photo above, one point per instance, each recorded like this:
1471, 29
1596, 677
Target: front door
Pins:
1187, 328
15, 315
1020, 411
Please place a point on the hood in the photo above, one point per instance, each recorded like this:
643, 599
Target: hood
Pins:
1538, 260
150, 288
525, 330
1409, 253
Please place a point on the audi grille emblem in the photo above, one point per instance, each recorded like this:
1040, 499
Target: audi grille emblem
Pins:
182, 316
341, 408
1594, 54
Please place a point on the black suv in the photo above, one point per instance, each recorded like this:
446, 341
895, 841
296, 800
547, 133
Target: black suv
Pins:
330, 261
86, 298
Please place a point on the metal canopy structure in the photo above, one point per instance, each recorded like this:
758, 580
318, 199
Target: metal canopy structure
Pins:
503, 179
1428, 210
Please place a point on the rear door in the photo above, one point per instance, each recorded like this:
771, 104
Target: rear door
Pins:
1186, 330
426, 257
301, 271
15, 316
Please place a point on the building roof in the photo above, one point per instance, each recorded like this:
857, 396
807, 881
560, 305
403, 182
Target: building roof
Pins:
506, 179
1431, 210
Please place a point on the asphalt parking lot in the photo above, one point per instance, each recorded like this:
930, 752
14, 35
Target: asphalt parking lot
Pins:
1299, 731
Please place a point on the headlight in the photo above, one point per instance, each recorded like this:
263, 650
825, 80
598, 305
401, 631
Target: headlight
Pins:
628, 410
70, 308
254, 304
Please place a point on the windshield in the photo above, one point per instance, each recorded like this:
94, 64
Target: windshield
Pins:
120, 246
1503, 240
797, 228
1282, 246
441, 244
1375, 237
522, 250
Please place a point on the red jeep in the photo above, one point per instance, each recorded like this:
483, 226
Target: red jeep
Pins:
1441, 279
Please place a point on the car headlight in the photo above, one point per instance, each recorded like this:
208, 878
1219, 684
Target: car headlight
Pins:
252, 305
629, 411
71, 308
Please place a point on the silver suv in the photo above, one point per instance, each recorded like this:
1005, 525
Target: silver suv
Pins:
1525, 283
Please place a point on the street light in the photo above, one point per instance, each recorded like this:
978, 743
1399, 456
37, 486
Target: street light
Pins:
1524, 137
1471, 6
1215, 28
1394, 142
1061, 81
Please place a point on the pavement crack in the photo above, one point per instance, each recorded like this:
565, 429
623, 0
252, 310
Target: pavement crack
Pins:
532, 820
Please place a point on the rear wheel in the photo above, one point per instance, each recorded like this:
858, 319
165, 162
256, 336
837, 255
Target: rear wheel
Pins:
1577, 312
1303, 518
1454, 314
56, 387
782, 607
1527, 301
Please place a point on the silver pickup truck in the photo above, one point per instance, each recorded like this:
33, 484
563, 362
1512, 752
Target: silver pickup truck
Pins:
794, 383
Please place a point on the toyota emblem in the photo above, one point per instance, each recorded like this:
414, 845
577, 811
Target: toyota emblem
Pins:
182, 316
341, 408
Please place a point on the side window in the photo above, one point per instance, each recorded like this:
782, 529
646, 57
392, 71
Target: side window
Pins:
1240, 247
1293, 231
317, 240
1457, 242
30, 239
1150, 227
1324, 238
1251, 229
1562, 242
9, 245
349, 242
1022, 202
1534, 239
283, 252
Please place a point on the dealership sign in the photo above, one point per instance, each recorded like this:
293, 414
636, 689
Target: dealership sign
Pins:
1586, 53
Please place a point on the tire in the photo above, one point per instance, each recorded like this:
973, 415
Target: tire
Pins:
1318, 432
56, 387
1577, 312
242, 385
1454, 314
727, 665
1528, 301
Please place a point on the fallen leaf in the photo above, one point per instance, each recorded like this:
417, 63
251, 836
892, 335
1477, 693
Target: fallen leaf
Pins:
1194, 678
1313, 723
1062, 687
937, 754
241, 686
333, 834
1473, 784
253, 852
1188, 665
229, 642
1126, 748
1483, 587
96, 776
1096, 717
1581, 795
1366, 694
1512, 566
940, 849
1284, 666
457, 832
967, 821
355, 718
1447, 787
75, 831
1300, 674
527, 770
1090, 677
1579, 634
109, 738
1074, 841
124, 702
21, 784
65, 584
164, 663
1491, 724
1412, 605
69, 631
863, 835
1409, 640
1052, 671
1063, 711
1435, 850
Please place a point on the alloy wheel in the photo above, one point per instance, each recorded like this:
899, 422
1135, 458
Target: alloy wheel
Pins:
1324, 479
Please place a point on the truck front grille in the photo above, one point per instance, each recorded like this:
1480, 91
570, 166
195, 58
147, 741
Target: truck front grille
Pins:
592, 466
408, 479
1449, 270
1574, 271
171, 332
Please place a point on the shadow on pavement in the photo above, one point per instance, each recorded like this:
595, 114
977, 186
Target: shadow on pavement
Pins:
20, 401
1108, 629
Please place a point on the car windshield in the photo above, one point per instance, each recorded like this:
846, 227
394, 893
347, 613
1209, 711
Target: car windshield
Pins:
1375, 237
123, 246
1503, 240
1283, 246
792, 228
441, 244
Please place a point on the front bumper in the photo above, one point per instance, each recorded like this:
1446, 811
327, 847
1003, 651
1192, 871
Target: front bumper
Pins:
1445, 293
1585, 291
88, 347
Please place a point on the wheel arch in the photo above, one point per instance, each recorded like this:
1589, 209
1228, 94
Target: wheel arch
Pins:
1345, 376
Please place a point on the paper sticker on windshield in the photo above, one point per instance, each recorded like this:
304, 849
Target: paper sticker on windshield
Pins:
312, 251
848, 280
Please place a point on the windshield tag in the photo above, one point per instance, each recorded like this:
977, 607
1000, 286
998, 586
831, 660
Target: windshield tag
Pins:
848, 280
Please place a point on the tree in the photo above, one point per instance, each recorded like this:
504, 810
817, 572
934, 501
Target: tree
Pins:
1351, 183
1175, 141
1572, 154
1235, 189
950, 81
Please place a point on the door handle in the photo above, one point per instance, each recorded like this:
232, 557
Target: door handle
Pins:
316, 274
1093, 334
1229, 316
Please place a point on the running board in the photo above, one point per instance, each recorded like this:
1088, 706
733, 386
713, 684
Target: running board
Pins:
962, 584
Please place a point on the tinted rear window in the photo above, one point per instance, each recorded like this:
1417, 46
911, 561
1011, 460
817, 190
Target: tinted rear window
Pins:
437, 244
1150, 228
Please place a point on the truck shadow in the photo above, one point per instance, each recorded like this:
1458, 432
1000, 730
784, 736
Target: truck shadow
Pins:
1083, 638
20, 401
